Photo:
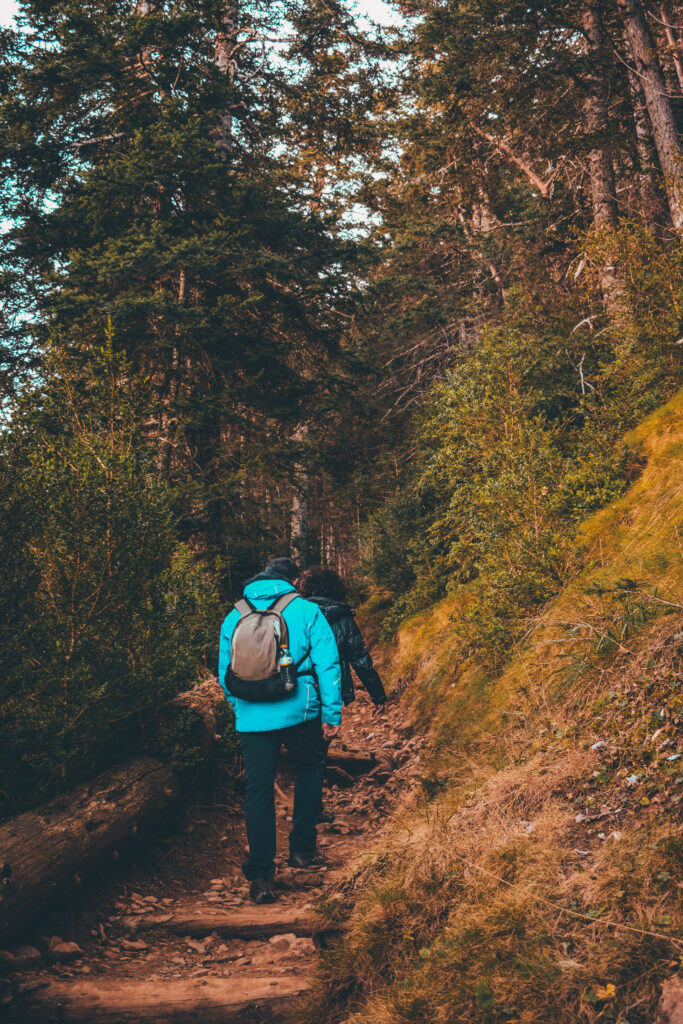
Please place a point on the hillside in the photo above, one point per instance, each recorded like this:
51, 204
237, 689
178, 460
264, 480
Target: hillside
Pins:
534, 875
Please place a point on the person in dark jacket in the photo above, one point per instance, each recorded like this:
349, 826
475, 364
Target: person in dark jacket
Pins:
324, 588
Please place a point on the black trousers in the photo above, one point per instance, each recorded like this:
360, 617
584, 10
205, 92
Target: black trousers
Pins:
261, 751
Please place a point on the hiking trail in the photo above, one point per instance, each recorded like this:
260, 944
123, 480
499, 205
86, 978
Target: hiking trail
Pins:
175, 937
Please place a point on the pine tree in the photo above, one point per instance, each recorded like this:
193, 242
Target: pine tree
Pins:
147, 184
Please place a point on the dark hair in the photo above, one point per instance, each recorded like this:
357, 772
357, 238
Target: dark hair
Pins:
284, 568
318, 582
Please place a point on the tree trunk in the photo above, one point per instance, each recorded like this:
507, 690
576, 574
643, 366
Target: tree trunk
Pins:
651, 201
224, 57
300, 507
210, 1000
45, 851
603, 187
200, 920
659, 107
355, 762
202, 706
673, 40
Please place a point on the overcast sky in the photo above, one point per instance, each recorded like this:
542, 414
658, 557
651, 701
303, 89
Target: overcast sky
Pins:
377, 9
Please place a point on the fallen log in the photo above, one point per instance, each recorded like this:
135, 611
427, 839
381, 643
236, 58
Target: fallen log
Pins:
355, 762
199, 920
337, 776
205, 1000
45, 851
200, 708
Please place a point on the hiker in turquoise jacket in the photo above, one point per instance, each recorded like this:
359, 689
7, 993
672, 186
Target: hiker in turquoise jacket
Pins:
302, 721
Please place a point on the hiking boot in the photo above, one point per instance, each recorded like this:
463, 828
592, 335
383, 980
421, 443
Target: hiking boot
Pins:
305, 859
260, 891
325, 818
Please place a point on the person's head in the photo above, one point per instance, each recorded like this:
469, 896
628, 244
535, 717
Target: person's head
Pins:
283, 568
318, 582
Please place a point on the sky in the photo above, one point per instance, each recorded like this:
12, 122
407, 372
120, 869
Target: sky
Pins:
376, 9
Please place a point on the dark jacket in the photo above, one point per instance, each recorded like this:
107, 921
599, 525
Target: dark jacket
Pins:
352, 650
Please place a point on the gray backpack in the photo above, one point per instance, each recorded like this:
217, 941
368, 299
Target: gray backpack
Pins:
257, 641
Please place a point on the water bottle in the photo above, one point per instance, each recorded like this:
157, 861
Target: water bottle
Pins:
287, 670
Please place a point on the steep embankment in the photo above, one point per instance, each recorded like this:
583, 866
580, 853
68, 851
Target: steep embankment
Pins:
535, 874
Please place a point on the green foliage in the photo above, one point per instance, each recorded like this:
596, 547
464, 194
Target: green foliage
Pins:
103, 614
178, 741
148, 180
516, 447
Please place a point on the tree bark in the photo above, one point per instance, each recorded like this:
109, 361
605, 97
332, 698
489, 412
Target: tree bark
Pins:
224, 57
603, 186
673, 40
200, 920
659, 107
355, 762
202, 704
211, 1000
524, 165
300, 506
45, 851
651, 201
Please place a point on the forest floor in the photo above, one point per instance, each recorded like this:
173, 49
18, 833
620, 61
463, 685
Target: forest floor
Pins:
171, 934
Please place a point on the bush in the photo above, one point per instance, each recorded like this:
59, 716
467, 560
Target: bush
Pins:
518, 445
103, 615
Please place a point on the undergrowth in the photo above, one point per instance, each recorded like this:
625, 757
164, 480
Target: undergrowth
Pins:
521, 442
533, 876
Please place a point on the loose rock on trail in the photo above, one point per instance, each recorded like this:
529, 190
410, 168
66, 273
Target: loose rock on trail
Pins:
177, 939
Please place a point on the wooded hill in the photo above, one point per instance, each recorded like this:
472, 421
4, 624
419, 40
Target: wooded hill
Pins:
533, 875
274, 278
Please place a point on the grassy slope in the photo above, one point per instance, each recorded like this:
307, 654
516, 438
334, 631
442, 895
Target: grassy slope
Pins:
535, 876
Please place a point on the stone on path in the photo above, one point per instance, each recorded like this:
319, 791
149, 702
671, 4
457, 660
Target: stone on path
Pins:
63, 952
26, 956
670, 1008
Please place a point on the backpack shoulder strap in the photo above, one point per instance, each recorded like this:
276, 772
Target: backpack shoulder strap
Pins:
278, 606
244, 606
283, 601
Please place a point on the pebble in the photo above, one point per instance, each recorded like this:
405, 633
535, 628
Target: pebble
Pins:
63, 952
195, 946
26, 956
133, 944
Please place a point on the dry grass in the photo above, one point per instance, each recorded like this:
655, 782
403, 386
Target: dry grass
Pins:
541, 884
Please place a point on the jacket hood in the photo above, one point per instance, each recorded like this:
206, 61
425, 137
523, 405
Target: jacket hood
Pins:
264, 587
331, 609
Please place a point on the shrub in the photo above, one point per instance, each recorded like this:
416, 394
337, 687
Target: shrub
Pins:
519, 444
103, 615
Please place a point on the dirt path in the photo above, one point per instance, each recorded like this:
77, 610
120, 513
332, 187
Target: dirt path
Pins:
177, 938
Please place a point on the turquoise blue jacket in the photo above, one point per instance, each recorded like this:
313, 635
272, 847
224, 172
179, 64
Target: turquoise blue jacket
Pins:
310, 635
